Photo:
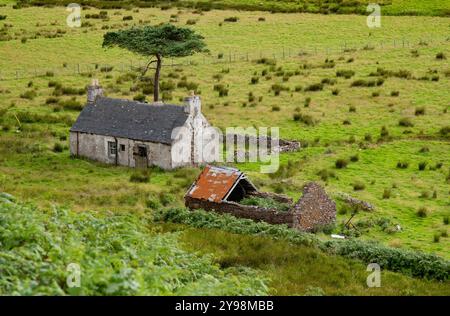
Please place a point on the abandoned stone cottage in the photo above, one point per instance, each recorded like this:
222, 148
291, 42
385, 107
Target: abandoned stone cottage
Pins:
136, 134
220, 189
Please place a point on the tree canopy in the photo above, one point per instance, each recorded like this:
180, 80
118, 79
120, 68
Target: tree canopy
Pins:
166, 40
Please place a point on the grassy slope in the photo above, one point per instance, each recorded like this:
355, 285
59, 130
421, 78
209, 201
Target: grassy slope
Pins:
48, 177
118, 254
299, 270
389, 7
125, 254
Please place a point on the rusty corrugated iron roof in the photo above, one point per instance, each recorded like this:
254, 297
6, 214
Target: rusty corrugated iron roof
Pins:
214, 183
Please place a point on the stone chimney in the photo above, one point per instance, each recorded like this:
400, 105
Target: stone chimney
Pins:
94, 91
193, 105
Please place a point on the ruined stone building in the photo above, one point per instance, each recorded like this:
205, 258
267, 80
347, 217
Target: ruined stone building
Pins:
136, 134
220, 189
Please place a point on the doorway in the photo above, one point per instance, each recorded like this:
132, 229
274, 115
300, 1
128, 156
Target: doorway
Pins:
140, 156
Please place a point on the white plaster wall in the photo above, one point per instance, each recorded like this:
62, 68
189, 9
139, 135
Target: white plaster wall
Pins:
95, 147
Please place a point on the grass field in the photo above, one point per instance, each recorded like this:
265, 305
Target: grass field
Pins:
389, 7
341, 120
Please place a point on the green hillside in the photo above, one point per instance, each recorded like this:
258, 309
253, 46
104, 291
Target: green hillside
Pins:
128, 254
389, 7
369, 106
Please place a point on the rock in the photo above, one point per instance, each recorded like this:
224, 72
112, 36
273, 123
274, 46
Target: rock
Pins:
362, 205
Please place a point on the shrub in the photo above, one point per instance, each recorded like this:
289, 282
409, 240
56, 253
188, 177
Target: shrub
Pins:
251, 97
71, 105
347, 74
435, 78
422, 212
166, 198
335, 91
266, 61
122, 250
139, 97
422, 165
384, 133
387, 193
304, 118
314, 87
167, 85
254, 80
328, 81
445, 131
412, 263
358, 186
57, 148
352, 108
192, 22
127, 18
275, 108
354, 158
261, 19
166, 96
152, 202
223, 91
446, 220
347, 122
436, 237
60, 90
424, 194
402, 165
420, 111
405, 122
51, 100
140, 176
368, 137
325, 174
395, 93
307, 102
106, 68
440, 56
363, 83
52, 84
277, 88
266, 203
341, 163
424, 149
29, 95
231, 19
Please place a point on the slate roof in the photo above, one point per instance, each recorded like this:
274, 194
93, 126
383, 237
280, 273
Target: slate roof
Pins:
130, 119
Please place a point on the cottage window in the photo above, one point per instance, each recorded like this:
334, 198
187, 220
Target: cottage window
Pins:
112, 148
122, 147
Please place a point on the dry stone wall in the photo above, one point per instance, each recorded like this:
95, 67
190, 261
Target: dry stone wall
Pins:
315, 209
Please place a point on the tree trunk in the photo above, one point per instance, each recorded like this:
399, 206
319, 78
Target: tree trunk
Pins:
156, 81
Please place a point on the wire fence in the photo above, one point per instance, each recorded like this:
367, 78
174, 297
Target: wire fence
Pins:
221, 58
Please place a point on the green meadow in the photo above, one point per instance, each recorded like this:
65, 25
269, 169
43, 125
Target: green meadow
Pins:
377, 99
